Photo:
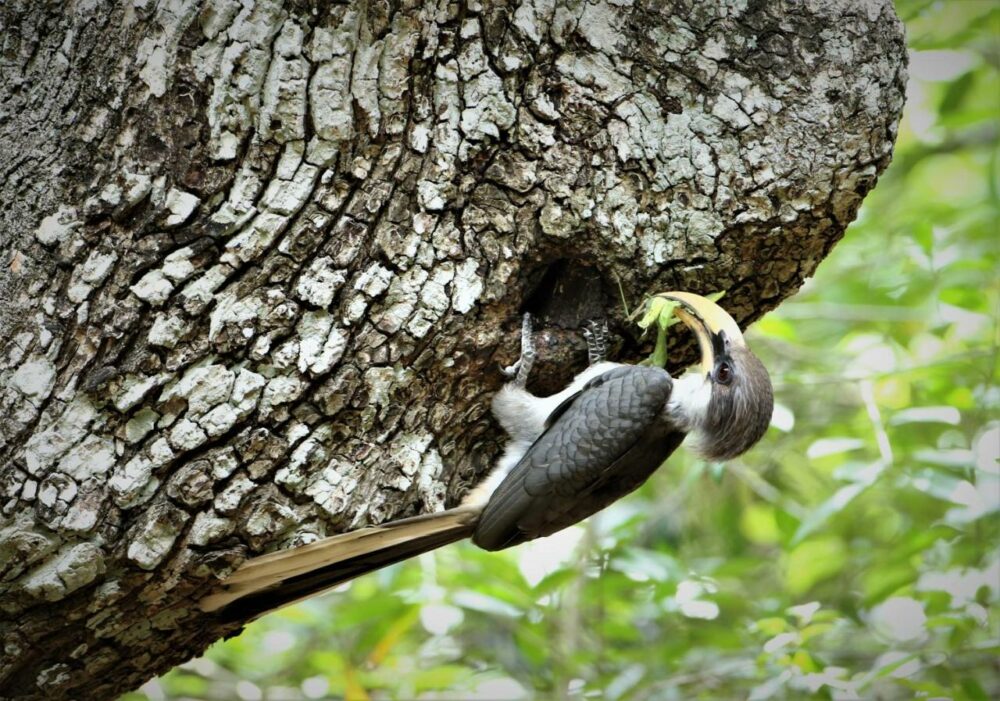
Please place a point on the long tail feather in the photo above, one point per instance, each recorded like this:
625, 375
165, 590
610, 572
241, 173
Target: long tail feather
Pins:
271, 581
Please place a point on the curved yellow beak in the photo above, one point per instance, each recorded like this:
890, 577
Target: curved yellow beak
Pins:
708, 321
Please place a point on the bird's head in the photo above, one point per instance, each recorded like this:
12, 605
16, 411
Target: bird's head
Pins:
726, 403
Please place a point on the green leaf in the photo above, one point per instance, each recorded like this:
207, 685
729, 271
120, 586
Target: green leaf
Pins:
771, 626
956, 93
927, 414
440, 678
823, 447
834, 505
759, 524
477, 601
814, 561
555, 581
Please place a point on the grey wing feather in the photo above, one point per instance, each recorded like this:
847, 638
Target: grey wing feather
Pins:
605, 442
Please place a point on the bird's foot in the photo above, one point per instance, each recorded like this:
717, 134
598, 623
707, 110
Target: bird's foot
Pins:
596, 335
519, 371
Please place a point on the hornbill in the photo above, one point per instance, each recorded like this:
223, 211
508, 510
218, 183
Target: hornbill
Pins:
569, 455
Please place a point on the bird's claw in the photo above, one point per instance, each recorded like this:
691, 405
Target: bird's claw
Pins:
596, 334
519, 371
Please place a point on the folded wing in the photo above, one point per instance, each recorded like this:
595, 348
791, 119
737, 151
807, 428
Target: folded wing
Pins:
600, 445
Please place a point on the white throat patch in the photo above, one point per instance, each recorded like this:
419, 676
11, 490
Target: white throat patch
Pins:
689, 398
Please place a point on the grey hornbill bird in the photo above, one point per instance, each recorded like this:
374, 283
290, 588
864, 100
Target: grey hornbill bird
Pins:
569, 456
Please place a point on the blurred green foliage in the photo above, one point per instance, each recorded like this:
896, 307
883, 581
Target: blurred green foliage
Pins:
850, 555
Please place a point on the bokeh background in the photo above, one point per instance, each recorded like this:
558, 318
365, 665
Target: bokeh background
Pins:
852, 554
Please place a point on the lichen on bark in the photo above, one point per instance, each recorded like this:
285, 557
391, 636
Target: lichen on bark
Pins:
263, 258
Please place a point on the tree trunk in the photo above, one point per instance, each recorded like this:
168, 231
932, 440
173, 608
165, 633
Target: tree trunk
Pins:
262, 260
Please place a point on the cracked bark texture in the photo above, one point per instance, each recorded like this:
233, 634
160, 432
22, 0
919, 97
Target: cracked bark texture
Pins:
262, 259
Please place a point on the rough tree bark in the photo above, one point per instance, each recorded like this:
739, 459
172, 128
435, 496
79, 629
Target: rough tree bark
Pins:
262, 258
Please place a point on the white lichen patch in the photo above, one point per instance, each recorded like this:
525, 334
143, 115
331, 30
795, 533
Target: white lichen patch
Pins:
22, 342
283, 105
158, 50
35, 378
217, 16
153, 58
244, 61
181, 205
224, 463
137, 186
329, 488
46, 446
467, 286
285, 356
58, 226
269, 517
329, 90
400, 245
371, 283
160, 452
232, 312
281, 390
135, 387
139, 426
729, 111
91, 458
166, 330
286, 197
374, 280
155, 536
642, 134
240, 207
208, 528
364, 83
129, 482
200, 291
219, 420
321, 344
153, 288
85, 511
601, 25
597, 75
202, 388
186, 435
429, 483
177, 266
320, 282
54, 489
254, 239
246, 390
73, 567
381, 384
407, 453
310, 449
394, 71
556, 220
487, 108
90, 274
229, 499
433, 300
400, 300
533, 18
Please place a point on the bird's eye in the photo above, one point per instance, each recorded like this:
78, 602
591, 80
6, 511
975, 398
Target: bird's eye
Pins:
724, 374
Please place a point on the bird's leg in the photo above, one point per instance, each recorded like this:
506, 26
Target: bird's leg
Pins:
521, 414
596, 335
519, 371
